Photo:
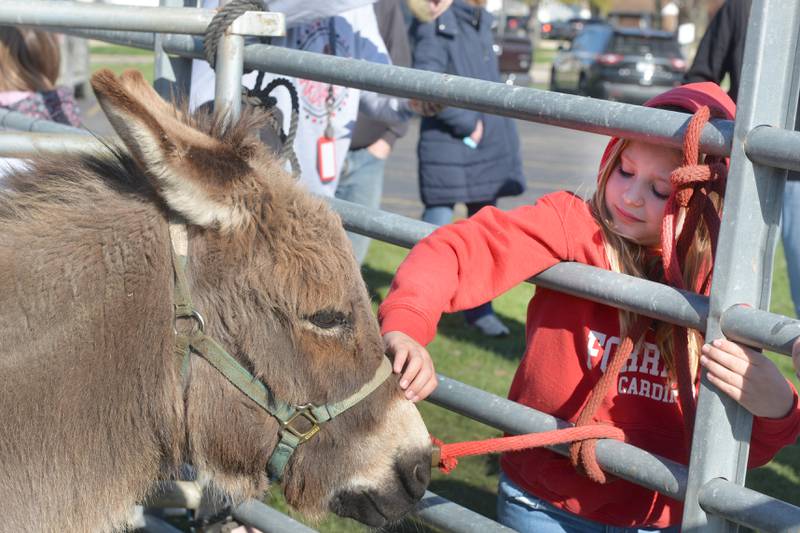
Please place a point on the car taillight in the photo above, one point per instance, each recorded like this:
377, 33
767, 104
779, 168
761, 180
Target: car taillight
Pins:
609, 59
546, 27
678, 63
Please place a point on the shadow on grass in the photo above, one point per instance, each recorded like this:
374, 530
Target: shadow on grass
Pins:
376, 279
509, 347
453, 326
769, 480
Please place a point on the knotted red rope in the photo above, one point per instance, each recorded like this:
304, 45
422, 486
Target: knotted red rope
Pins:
692, 184
584, 435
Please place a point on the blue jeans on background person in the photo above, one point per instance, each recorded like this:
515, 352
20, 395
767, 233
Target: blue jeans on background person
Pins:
361, 182
790, 235
443, 214
526, 513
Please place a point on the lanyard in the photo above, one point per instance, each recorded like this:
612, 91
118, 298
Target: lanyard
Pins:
329, 101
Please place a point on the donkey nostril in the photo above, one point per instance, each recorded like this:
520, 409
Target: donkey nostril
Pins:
414, 474
420, 475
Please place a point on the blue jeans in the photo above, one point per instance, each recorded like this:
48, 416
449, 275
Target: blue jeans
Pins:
443, 214
790, 234
526, 513
361, 182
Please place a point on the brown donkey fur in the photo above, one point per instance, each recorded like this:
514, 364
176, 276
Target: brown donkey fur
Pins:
94, 407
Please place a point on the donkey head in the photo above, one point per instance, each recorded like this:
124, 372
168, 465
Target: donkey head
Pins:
270, 268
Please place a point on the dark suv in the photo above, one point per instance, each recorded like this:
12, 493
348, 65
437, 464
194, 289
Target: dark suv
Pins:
625, 64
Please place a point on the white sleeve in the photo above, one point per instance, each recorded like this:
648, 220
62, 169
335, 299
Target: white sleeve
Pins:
387, 109
300, 11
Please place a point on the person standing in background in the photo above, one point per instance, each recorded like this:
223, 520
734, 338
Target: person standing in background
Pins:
327, 114
464, 156
721, 52
361, 180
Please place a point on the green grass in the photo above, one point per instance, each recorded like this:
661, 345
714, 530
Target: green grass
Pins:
490, 364
544, 55
118, 68
119, 58
117, 50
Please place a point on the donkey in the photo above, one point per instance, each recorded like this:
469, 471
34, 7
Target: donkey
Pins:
100, 399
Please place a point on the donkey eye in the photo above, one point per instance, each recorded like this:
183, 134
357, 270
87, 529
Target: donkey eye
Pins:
328, 319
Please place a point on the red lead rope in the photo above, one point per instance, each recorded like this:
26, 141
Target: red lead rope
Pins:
445, 456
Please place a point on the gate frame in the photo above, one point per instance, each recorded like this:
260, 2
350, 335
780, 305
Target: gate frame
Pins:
761, 145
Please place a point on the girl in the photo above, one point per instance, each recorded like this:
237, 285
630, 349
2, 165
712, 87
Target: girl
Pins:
572, 343
29, 64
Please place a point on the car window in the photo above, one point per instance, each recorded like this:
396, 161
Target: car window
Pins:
579, 42
595, 38
641, 45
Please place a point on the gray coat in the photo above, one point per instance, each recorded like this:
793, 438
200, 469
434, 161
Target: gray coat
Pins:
460, 42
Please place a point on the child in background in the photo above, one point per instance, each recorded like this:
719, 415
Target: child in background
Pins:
29, 64
652, 367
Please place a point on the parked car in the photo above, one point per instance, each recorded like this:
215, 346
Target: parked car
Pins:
566, 29
555, 30
624, 64
514, 52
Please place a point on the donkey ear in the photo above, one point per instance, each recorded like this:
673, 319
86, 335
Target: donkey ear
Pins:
195, 174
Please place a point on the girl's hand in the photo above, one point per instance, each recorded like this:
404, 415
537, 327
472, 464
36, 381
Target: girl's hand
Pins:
412, 359
749, 377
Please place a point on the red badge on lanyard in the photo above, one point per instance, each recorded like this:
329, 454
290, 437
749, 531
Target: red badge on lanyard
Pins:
326, 159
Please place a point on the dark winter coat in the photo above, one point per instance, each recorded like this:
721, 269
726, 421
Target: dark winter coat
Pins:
460, 42
722, 48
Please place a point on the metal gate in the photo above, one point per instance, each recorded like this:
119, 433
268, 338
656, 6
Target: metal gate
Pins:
762, 146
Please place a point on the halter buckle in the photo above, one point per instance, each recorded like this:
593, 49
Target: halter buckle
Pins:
198, 322
303, 411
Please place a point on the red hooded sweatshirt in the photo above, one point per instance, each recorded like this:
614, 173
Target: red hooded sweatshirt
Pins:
569, 340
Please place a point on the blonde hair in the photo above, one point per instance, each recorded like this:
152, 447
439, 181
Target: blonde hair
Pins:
29, 59
628, 257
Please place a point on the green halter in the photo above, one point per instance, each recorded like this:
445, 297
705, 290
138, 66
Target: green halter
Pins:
290, 437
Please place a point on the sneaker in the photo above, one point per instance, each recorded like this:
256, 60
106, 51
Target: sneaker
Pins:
491, 326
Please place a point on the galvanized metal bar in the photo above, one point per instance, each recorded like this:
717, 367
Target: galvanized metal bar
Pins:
133, 18
13, 120
27, 145
448, 516
773, 147
721, 497
152, 524
748, 508
760, 329
631, 293
575, 112
184, 494
265, 518
768, 94
228, 80
618, 458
